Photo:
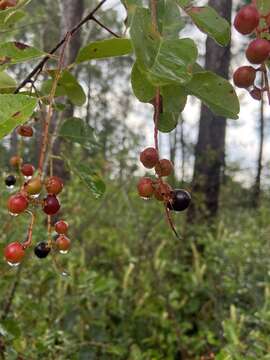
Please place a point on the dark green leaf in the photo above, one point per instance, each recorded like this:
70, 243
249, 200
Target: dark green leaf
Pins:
142, 88
16, 52
170, 20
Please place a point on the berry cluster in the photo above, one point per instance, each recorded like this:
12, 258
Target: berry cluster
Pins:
27, 199
176, 200
247, 21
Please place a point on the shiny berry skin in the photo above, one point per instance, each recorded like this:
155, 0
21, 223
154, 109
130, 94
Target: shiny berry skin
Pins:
145, 187
14, 253
256, 94
15, 161
25, 131
247, 19
4, 4
244, 76
258, 51
42, 250
10, 180
149, 157
180, 200
33, 186
27, 169
17, 204
61, 227
54, 185
162, 191
63, 243
164, 167
51, 205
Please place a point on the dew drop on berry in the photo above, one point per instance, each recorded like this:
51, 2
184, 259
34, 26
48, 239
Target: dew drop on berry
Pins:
65, 274
34, 196
13, 264
64, 252
13, 214
10, 187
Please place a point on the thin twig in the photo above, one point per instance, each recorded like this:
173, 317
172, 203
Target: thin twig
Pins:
105, 27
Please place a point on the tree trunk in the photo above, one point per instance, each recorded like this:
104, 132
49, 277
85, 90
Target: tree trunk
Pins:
210, 148
257, 185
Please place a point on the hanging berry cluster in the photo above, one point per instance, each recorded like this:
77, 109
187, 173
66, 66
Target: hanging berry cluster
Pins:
32, 185
173, 199
247, 21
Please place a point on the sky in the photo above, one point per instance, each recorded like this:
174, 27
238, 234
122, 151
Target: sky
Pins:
242, 134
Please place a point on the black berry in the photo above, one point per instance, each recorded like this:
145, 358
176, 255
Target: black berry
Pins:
180, 200
10, 180
42, 250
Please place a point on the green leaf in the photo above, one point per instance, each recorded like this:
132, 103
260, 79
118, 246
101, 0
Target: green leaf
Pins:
184, 3
169, 19
16, 52
14, 110
263, 6
5, 15
164, 61
7, 83
215, 92
210, 22
142, 88
105, 49
14, 17
89, 177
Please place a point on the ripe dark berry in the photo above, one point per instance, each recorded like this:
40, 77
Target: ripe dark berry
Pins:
247, 19
33, 186
162, 191
244, 76
25, 131
63, 243
149, 157
54, 185
164, 167
14, 253
27, 169
180, 200
51, 205
145, 187
10, 180
42, 250
15, 161
256, 93
61, 227
258, 51
17, 203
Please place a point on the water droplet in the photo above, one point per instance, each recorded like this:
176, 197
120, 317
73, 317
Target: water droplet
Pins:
63, 252
13, 214
10, 188
34, 196
13, 264
27, 178
65, 273
145, 198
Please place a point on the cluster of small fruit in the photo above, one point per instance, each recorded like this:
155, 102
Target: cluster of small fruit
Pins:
176, 200
27, 198
247, 21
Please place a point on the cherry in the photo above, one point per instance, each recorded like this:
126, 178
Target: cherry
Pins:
33, 186
15, 161
4, 4
27, 169
162, 191
149, 157
14, 253
247, 19
180, 200
256, 93
10, 180
17, 203
25, 131
51, 205
42, 250
164, 167
244, 76
258, 51
63, 243
145, 187
54, 185
61, 227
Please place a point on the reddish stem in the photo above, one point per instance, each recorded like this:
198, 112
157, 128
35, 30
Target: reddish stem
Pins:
28, 241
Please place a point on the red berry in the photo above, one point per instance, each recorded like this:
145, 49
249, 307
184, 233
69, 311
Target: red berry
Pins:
51, 205
63, 243
247, 19
4, 4
25, 131
14, 253
256, 93
27, 169
244, 76
17, 204
258, 51
149, 157
145, 187
15, 161
164, 167
163, 191
34, 186
54, 185
61, 227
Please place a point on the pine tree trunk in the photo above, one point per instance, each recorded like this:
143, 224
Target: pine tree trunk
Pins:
210, 148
